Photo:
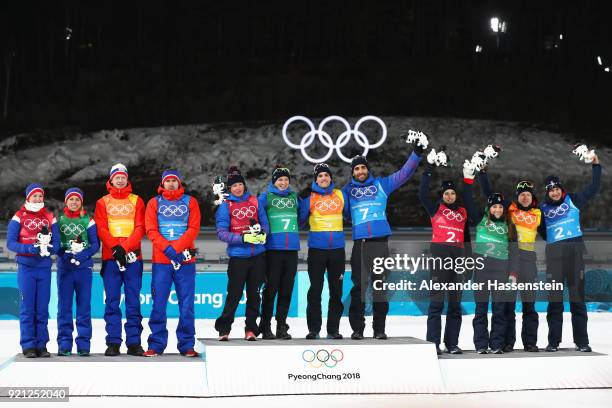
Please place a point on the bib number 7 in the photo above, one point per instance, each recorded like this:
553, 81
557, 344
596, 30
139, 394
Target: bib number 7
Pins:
364, 213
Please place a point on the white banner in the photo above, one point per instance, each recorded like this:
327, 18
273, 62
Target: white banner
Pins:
321, 366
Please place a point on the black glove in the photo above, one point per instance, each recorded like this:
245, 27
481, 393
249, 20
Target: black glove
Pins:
418, 150
119, 254
304, 194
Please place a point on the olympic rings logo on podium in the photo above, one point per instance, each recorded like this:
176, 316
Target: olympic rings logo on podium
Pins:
323, 357
172, 210
326, 139
244, 212
35, 224
561, 210
72, 229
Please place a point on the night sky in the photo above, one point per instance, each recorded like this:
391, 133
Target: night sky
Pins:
85, 65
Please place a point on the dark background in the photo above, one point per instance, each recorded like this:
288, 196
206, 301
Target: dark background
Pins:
84, 65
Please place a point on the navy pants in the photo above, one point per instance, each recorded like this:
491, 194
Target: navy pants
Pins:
494, 269
35, 290
437, 298
281, 270
161, 284
319, 261
564, 263
131, 281
362, 276
529, 333
241, 272
71, 283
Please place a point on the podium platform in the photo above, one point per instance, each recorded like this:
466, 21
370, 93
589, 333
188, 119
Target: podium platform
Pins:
271, 367
400, 365
98, 375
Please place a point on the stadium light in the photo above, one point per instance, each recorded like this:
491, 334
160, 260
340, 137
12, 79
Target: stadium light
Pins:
478, 49
599, 60
495, 24
498, 26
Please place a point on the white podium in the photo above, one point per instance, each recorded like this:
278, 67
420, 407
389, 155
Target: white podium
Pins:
276, 367
166, 375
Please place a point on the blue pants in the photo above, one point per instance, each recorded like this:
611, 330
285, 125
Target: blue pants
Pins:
71, 281
131, 280
35, 289
184, 284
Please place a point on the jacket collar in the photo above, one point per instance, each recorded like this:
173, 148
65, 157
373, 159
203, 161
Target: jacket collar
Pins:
119, 192
323, 191
274, 190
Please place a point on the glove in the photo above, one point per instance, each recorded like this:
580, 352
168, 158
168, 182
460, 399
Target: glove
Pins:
119, 254
31, 249
170, 253
305, 193
81, 257
251, 239
179, 258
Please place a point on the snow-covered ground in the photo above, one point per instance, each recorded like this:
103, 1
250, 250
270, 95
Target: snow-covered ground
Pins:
203, 151
589, 398
600, 330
